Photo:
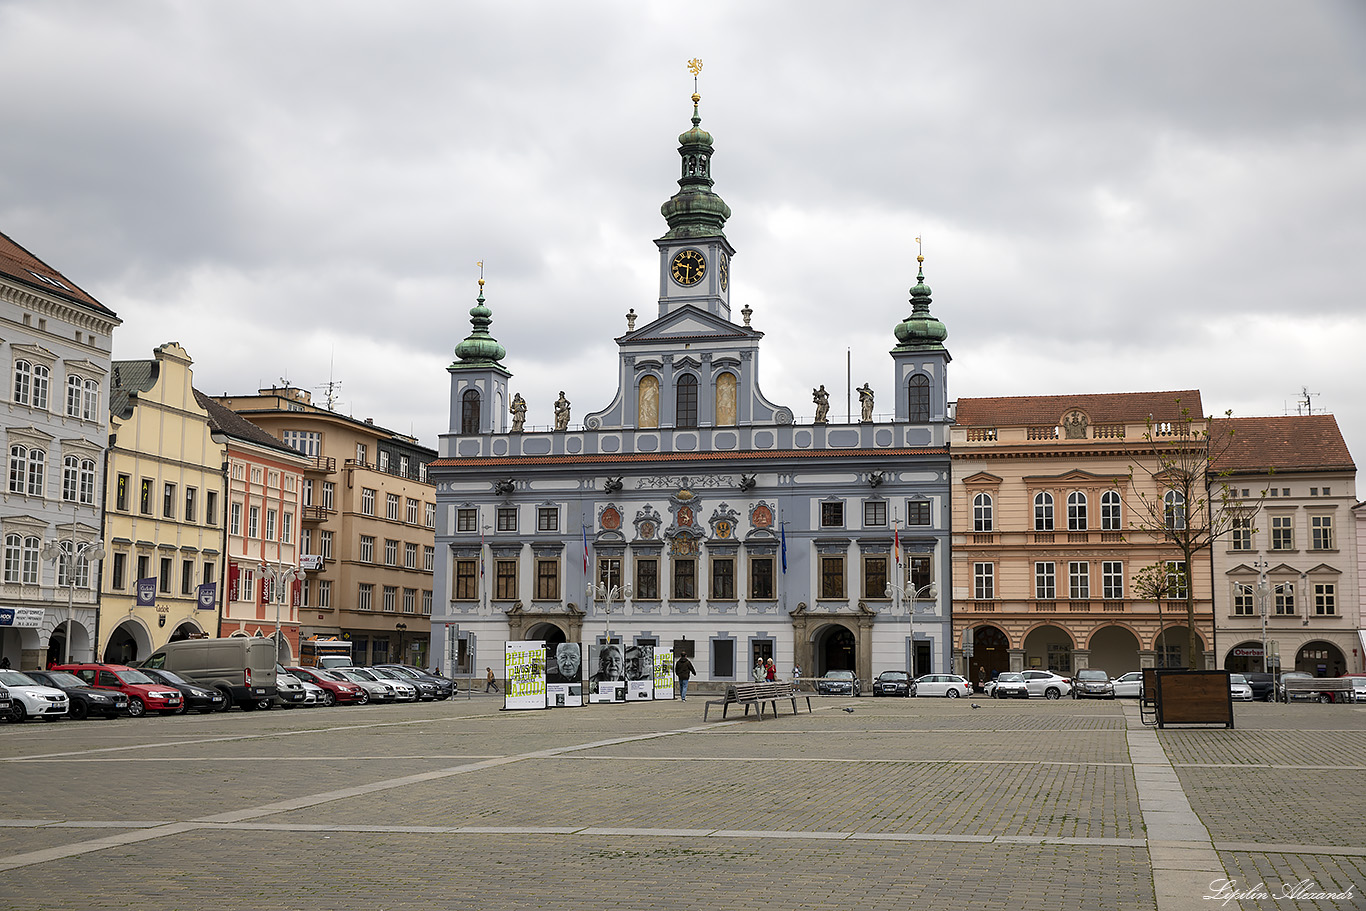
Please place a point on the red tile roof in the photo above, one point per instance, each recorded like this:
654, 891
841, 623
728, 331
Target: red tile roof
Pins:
609, 458
1101, 408
21, 266
1310, 442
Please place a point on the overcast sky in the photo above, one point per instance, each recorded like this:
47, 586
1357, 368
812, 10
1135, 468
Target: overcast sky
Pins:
1113, 196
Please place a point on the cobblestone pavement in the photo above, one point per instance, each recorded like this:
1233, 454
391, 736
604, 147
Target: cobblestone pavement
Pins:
903, 803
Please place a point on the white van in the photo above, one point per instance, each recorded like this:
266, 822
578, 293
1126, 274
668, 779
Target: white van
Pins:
242, 669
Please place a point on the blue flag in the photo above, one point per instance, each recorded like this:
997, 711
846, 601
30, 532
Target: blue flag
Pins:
782, 532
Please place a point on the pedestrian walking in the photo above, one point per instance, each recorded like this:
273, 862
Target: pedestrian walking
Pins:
771, 671
684, 669
491, 681
759, 671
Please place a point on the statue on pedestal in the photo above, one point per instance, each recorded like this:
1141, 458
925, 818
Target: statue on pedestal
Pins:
822, 400
518, 412
562, 412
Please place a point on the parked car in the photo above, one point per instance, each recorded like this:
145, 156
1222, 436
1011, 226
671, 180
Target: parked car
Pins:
378, 690
1291, 675
1263, 685
839, 683
441, 687
1007, 685
1130, 684
289, 692
314, 695
335, 688
1358, 686
144, 694
30, 699
892, 683
1047, 684
405, 687
241, 668
1092, 683
6, 705
1238, 688
202, 699
85, 700
950, 685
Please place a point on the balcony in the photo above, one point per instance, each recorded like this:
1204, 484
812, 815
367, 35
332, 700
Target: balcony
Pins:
317, 513
324, 464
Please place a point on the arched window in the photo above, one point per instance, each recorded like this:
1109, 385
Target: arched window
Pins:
725, 399
37, 471
469, 411
71, 473
647, 402
919, 393
40, 386
30, 574
1174, 510
1109, 511
13, 557
686, 399
18, 468
1076, 511
87, 493
23, 382
982, 519
1043, 512
75, 388
91, 400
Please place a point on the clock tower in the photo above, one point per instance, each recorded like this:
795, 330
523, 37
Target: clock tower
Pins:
694, 256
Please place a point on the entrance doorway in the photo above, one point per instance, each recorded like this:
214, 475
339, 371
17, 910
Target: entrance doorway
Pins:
990, 653
1322, 659
835, 651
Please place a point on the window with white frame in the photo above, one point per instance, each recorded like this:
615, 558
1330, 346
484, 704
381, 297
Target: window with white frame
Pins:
235, 519
270, 524
1284, 595
1321, 531
362, 453
1043, 512
429, 515
324, 593
307, 492
367, 549
426, 602
1240, 534
306, 442
412, 512
393, 503
254, 522
390, 552
1112, 579
1045, 580
1076, 511
390, 598
329, 495
1110, 511
428, 558
75, 392
367, 501
984, 581
1282, 533
21, 559
365, 596
1078, 580
410, 556
1244, 599
983, 514
325, 544
287, 528
1174, 510
409, 600
27, 470
1177, 580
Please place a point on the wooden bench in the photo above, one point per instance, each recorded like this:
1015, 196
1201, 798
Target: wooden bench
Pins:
1324, 689
757, 695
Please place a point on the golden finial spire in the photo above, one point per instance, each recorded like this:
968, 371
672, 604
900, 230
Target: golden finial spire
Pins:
480, 264
920, 249
695, 67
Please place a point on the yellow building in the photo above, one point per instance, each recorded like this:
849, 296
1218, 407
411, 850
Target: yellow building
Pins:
1046, 541
163, 509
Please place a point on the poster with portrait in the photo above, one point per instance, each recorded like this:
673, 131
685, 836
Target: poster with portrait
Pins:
664, 673
564, 675
607, 673
524, 670
640, 673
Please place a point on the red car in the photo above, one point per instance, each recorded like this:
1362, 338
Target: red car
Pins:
334, 689
144, 694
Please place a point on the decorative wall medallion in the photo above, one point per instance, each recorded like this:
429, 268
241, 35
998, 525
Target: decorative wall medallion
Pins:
761, 517
611, 519
685, 516
724, 529
683, 546
647, 530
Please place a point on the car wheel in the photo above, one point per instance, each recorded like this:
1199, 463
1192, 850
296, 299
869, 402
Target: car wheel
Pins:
329, 699
79, 710
1052, 693
1324, 698
182, 708
136, 707
17, 712
952, 694
263, 704
363, 698
227, 699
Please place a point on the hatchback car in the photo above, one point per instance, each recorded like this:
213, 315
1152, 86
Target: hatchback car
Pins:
85, 700
892, 683
839, 683
950, 685
202, 699
406, 687
1263, 685
1047, 684
1092, 683
144, 694
1008, 685
6, 706
429, 686
30, 699
378, 690
1130, 684
289, 692
1238, 688
335, 688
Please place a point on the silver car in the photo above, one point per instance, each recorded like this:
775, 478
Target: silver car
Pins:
1239, 688
378, 690
1130, 684
405, 688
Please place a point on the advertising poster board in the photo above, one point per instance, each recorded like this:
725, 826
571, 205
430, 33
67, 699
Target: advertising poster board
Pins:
524, 669
564, 675
664, 674
640, 673
607, 680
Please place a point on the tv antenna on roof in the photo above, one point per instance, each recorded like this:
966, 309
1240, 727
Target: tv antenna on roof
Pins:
1305, 404
331, 387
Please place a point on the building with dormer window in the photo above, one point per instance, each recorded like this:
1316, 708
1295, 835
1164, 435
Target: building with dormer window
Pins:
742, 534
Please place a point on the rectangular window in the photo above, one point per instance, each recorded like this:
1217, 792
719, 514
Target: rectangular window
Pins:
1282, 533
362, 453
367, 501
507, 518
325, 593
235, 519
919, 574
429, 515
211, 507
505, 580
409, 600
685, 579
390, 552
365, 597
329, 495
1045, 581
723, 578
428, 558
918, 513
145, 497
325, 544
1078, 580
874, 578
832, 515
390, 598
467, 519
761, 586
143, 564
426, 602
832, 577
1325, 599
120, 570
190, 494
1240, 537
121, 493
609, 571
187, 577
1176, 580
984, 581
304, 593
411, 511
367, 549
383, 459
209, 569
410, 556
393, 504
303, 441
306, 494
875, 512
1243, 600
270, 524
1322, 529
548, 580
466, 580
287, 528
1112, 579
647, 578
548, 518
165, 578
254, 522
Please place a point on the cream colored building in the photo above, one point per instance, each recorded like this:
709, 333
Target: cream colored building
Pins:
1045, 540
163, 508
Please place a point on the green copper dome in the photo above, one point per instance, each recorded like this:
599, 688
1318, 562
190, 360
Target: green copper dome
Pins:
695, 211
480, 349
920, 331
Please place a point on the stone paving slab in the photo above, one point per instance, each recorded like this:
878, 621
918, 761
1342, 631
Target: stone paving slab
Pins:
1298, 874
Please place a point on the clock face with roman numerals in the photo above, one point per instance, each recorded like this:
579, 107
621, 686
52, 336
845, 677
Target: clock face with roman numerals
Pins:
723, 271
688, 267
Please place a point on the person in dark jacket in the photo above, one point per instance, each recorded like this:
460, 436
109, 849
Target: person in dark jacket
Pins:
684, 669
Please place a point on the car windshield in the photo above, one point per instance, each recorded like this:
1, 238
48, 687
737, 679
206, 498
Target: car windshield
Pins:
1009, 677
893, 675
14, 678
840, 675
400, 672
1092, 675
1236, 678
361, 673
62, 678
132, 676
170, 677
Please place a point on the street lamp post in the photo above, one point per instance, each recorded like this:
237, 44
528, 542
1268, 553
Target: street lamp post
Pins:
73, 551
602, 591
911, 593
279, 574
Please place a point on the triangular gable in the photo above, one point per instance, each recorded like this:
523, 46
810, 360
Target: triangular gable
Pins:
1324, 568
982, 478
687, 321
1075, 474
